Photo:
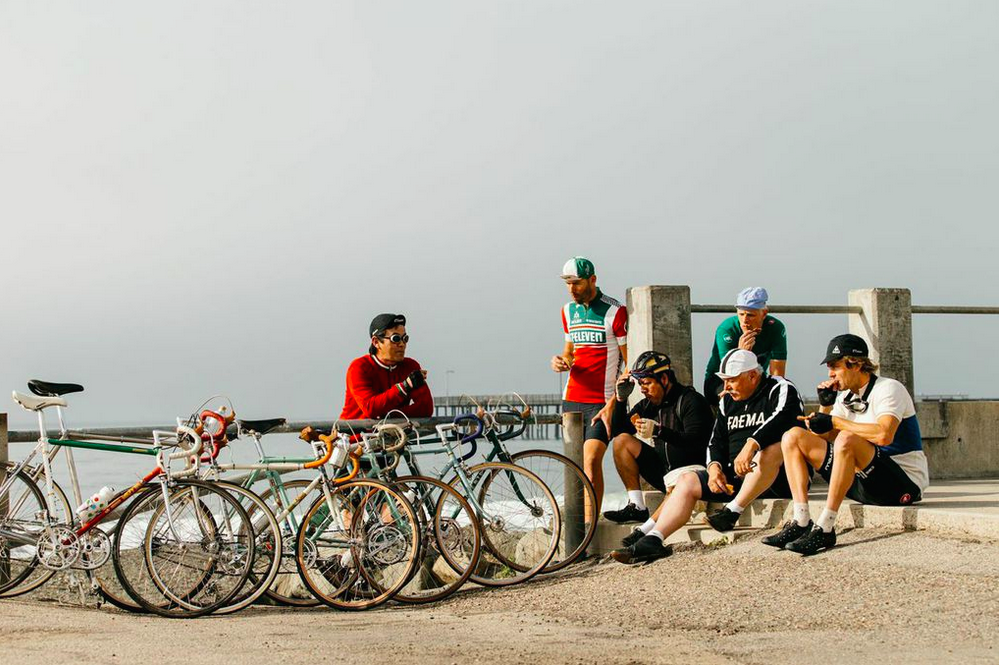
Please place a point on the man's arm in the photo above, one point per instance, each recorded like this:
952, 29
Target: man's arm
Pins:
778, 368
373, 404
785, 407
718, 445
619, 417
881, 433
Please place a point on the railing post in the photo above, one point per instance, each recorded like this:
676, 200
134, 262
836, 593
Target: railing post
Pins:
886, 324
659, 320
575, 510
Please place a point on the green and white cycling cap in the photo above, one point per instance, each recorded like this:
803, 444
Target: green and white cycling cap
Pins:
578, 267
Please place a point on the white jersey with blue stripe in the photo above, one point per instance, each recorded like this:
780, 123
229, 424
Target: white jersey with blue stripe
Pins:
889, 397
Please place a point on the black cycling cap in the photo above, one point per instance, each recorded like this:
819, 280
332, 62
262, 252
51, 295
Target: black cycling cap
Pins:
845, 345
383, 322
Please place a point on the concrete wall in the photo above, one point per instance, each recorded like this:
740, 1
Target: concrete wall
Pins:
961, 438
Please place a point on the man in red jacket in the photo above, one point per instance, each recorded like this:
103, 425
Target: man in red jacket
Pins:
385, 379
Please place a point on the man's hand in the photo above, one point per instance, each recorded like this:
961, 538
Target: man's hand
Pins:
645, 427
560, 364
744, 461
416, 379
604, 415
748, 340
623, 388
818, 423
717, 481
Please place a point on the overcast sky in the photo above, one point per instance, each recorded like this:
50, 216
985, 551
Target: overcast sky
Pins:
203, 197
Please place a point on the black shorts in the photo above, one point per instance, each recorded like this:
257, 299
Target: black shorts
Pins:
780, 489
595, 431
651, 467
882, 483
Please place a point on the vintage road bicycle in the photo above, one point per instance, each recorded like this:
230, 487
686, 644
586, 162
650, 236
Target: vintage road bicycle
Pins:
179, 548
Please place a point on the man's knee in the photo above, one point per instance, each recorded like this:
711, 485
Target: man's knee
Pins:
627, 445
794, 437
846, 444
688, 485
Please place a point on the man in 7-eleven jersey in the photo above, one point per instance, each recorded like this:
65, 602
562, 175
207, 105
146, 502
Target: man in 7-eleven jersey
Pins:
596, 332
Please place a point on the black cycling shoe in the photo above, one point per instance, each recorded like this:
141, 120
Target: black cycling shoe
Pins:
813, 542
632, 538
789, 533
630, 513
723, 520
649, 548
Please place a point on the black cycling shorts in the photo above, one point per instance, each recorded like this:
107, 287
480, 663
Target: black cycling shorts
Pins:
780, 489
651, 467
881, 483
594, 431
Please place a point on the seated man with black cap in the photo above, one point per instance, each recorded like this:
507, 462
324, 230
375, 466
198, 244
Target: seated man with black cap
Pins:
745, 456
667, 430
864, 441
385, 379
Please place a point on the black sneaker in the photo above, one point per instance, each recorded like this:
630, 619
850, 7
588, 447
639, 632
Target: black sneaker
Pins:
632, 538
789, 533
813, 542
723, 520
630, 513
648, 548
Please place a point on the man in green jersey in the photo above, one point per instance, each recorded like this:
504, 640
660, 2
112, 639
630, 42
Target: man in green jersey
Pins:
751, 329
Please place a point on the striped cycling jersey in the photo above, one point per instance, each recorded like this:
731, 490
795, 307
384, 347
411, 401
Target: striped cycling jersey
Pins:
596, 331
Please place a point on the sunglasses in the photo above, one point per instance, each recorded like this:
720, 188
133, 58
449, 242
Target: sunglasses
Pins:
395, 338
856, 404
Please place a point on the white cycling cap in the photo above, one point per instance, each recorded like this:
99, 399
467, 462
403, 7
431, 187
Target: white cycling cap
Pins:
736, 362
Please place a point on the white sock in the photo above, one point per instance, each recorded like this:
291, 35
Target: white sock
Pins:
649, 525
658, 534
637, 497
827, 520
801, 515
734, 507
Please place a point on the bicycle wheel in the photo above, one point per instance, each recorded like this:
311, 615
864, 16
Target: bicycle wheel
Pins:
359, 546
184, 556
450, 542
287, 588
519, 520
22, 510
267, 547
571, 489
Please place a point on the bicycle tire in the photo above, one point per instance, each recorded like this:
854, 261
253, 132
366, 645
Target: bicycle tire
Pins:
354, 556
144, 571
449, 533
20, 504
503, 562
288, 588
267, 547
554, 470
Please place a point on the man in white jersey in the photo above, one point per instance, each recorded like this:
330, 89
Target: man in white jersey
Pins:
864, 441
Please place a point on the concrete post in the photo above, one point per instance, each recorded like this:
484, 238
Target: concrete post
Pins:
575, 512
886, 324
659, 320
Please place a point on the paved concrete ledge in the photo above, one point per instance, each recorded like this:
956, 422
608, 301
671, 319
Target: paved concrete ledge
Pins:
960, 508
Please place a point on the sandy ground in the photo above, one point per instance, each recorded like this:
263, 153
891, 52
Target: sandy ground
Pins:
878, 597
